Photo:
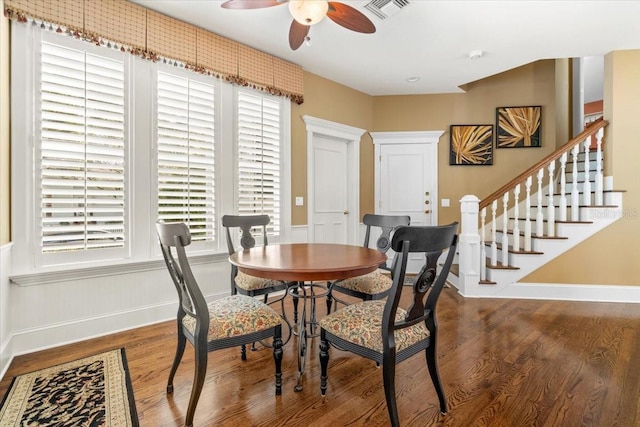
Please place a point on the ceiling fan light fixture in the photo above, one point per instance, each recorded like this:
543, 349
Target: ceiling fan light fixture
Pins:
308, 12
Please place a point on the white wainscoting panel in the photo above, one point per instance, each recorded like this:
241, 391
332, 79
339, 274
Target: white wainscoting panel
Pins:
5, 327
53, 314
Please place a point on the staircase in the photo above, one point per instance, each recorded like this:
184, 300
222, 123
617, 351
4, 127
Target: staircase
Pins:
549, 208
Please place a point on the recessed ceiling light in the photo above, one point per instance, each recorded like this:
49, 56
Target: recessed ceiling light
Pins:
413, 79
475, 54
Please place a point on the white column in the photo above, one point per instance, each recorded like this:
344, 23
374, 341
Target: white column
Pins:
563, 183
527, 215
516, 215
483, 244
494, 244
469, 247
599, 201
539, 214
505, 229
586, 186
575, 195
551, 209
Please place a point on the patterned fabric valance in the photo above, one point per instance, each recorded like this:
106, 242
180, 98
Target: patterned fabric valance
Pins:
152, 35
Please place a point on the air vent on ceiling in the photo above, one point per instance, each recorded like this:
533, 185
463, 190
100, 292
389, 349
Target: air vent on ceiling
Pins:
384, 9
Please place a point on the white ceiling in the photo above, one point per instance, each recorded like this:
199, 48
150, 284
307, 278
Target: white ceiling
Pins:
430, 39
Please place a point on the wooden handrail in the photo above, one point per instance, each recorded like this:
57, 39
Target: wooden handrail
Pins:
591, 130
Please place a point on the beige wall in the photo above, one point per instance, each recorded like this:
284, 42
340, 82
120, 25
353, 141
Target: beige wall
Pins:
610, 257
532, 84
325, 99
5, 234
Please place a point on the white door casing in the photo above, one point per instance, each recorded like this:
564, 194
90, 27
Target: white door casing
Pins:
406, 178
323, 156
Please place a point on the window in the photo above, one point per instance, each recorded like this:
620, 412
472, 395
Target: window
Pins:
108, 143
259, 157
185, 132
82, 155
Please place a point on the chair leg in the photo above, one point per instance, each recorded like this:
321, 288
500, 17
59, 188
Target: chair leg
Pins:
182, 340
389, 380
277, 358
329, 302
324, 363
198, 380
432, 364
295, 304
243, 352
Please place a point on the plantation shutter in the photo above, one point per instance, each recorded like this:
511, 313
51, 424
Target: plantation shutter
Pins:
259, 158
186, 154
82, 150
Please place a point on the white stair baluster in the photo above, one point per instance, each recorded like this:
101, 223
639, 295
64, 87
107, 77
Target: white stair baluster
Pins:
551, 209
527, 215
575, 195
599, 177
586, 186
563, 184
483, 251
516, 215
494, 244
505, 229
539, 214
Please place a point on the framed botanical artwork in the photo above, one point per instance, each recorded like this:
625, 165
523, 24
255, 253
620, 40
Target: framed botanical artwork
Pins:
471, 145
518, 126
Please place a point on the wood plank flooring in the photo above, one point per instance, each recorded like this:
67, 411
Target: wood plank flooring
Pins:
503, 363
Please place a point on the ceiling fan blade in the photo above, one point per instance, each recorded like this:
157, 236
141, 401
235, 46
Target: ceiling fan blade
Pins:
250, 4
350, 18
297, 34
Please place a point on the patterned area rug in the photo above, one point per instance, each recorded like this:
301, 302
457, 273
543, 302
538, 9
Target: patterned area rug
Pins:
93, 391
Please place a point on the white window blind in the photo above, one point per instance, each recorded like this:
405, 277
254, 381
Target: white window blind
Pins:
259, 158
185, 128
82, 150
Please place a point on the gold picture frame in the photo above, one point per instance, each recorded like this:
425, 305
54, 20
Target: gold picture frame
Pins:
471, 145
518, 127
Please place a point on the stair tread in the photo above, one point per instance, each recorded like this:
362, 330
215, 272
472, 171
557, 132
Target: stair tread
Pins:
557, 221
500, 266
521, 251
535, 236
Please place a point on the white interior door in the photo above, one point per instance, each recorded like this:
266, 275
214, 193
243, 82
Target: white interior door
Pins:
407, 179
333, 181
330, 207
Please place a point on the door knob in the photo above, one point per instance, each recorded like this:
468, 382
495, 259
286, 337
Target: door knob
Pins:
426, 202
427, 211
346, 212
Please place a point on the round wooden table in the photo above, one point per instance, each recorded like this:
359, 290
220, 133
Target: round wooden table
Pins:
306, 263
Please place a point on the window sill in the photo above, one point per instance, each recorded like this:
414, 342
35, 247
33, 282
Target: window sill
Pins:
107, 270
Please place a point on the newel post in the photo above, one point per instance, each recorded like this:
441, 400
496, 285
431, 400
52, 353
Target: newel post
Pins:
469, 247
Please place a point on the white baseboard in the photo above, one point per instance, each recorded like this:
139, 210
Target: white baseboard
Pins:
36, 339
567, 292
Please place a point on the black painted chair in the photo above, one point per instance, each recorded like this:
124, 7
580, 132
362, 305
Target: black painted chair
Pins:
387, 333
376, 284
232, 321
250, 285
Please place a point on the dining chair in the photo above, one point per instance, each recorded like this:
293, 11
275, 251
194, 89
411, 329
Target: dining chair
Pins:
231, 321
246, 284
388, 332
376, 284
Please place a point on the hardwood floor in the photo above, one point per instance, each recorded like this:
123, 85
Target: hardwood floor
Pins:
502, 362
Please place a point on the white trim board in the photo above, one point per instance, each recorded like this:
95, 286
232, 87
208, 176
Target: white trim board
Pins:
566, 292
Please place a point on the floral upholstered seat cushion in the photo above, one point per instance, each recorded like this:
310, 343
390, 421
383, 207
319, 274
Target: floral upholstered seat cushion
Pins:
235, 315
361, 324
373, 283
252, 283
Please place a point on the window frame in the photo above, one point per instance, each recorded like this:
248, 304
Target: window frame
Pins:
140, 165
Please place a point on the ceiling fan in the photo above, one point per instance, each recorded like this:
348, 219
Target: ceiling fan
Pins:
309, 12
